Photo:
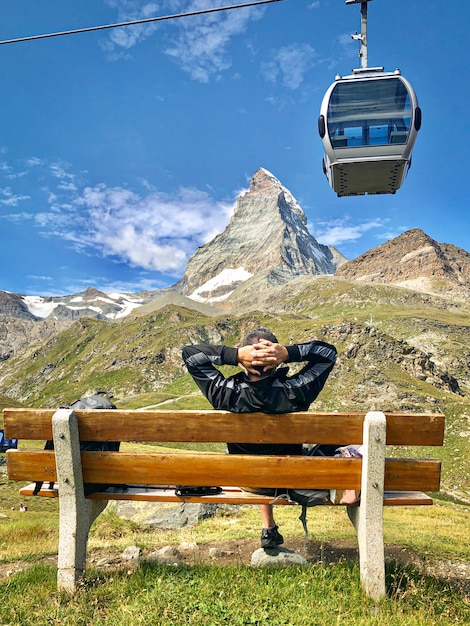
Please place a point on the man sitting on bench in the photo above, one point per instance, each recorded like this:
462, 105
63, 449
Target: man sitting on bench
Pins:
262, 387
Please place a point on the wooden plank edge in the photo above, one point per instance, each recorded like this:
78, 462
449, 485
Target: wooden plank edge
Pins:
229, 495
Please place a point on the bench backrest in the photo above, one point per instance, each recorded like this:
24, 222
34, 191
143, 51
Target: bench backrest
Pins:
221, 469
223, 426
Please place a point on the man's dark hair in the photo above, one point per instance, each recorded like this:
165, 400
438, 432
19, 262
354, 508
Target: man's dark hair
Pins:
260, 333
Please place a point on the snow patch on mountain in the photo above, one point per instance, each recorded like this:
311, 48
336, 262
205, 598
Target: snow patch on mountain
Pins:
114, 306
38, 306
226, 278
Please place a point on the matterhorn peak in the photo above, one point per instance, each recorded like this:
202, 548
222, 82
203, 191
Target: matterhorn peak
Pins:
267, 198
267, 234
263, 178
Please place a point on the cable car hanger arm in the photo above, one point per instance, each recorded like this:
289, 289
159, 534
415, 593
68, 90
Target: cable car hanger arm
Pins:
362, 38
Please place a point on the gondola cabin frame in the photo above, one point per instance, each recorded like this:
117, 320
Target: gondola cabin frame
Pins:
368, 123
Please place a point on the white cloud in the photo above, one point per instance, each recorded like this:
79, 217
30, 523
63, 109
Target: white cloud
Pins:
8, 198
290, 64
392, 234
103, 283
16, 175
34, 161
340, 231
51, 196
151, 230
201, 42
345, 40
17, 218
46, 278
198, 44
155, 232
59, 171
121, 40
67, 186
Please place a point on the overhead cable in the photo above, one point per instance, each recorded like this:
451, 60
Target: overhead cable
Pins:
142, 21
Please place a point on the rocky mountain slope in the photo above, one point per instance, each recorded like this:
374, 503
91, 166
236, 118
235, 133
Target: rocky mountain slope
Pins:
68, 308
141, 354
414, 260
13, 305
267, 235
31, 319
17, 334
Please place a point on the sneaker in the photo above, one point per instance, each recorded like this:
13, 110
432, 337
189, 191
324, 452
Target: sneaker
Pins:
271, 537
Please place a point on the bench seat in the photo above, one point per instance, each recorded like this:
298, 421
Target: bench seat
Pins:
228, 495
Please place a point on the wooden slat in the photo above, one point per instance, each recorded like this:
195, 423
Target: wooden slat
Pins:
419, 429
236, 496
31, 465
412, 475
220, 469
261, 471
29, 423
45, 492
223, 426
229, 495
190, 469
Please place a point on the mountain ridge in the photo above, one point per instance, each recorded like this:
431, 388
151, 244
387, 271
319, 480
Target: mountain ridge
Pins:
266, 244
267, 231
415, 261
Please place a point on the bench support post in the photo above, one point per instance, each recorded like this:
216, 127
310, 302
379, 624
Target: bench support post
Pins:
368, 516
76, 512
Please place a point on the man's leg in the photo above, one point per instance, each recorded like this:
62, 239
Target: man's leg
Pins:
270, 536
267, 515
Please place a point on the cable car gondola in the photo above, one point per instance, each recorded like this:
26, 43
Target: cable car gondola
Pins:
368, 123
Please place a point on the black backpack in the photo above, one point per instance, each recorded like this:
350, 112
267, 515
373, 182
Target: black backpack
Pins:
99, 400
306, 498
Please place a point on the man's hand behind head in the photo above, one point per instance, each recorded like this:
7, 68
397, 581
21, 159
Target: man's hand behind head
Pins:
264, 354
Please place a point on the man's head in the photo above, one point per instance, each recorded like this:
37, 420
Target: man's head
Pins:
255, 336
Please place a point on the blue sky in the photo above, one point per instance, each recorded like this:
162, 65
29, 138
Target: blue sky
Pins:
122, 151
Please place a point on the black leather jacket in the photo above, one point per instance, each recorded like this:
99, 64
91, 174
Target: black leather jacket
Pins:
277, 393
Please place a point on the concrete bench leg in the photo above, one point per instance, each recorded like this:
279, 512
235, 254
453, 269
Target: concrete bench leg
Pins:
76, 512
368, 516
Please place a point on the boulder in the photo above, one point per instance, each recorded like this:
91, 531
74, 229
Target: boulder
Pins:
276, 557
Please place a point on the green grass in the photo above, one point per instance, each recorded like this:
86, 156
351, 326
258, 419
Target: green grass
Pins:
323, 593
158, 594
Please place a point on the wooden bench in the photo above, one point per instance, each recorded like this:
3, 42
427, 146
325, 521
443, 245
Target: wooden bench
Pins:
151, 476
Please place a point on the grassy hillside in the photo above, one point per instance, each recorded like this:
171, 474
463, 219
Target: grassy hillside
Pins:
399, 350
